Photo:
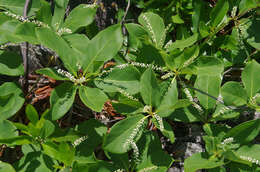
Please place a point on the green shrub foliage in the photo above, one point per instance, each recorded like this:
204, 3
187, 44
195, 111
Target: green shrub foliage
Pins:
181, 61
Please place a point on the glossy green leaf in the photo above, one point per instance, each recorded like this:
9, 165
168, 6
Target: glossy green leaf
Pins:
151, 154
246, 5
60, 7
94, 131
249, 31
61, 100
78, 42
34, 160
8, 130
11, 100
200, 161
62, 152
210, 66
154, 25
51, 40
4, 167
120, 134
164, 110
44, 13
251, 151
17, 6
102, 47
168, 132
251, 79
150, 90
181, 44
52, 73
210, 85
170, 98
32, 114
26, 32
234, 94
11, 64
218, 12
245, 132
79, 17
93, 98
126, 79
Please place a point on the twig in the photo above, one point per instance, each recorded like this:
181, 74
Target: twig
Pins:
24, 49
126, 11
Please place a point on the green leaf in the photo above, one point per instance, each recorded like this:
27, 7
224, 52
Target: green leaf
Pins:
181, 44
26, 32
136, 30
177, 19
151, 154
208, 80
170, 98
249, 31
62, 98
210, 85
44, 13
187, 114
164, 110
11, 64
4, 167
218, 12
246, 5
210, 66
51, 40
251, 151
78, 42
52, 73
199, 14
154, 25
62, 152
16, 141
200, 161
32, 114
245, 132
8, 29
168, 132
93, 98
17, 6
126, 79
234, 94
79, 17
251, 79
11, 100
121, 133
150, 90
223, 113
8, 130
102, 47
94, 131
59, 13
34, 160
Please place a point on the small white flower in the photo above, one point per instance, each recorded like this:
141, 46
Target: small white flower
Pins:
79, 141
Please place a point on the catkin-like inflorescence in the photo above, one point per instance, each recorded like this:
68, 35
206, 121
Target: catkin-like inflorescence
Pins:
126, 94
250, 159
130, 141
71, 77
160, 121
25, 20
148, 169
79, 141
61, 31
149, 27
227, 140
194, 104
